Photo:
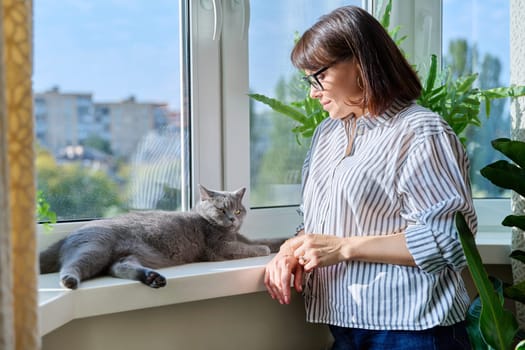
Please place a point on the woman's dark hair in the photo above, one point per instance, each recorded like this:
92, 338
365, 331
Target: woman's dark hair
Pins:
351, 32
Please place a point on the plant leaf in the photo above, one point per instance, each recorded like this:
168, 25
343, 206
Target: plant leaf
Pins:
518, 255
516, 292
280, 107
465, 83
504, 174
515, 221
432, 73
385, 19
498, 326
514, 150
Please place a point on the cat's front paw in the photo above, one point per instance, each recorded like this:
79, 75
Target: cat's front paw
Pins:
153, 279
69, 281
263, 250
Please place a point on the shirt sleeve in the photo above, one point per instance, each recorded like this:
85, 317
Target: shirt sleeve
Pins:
304, 174
434, 185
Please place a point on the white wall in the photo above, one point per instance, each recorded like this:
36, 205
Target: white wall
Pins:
248, 322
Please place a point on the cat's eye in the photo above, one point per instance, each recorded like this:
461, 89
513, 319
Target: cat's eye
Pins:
237, 212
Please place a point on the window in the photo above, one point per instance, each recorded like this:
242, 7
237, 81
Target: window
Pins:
107, 102
468, 47
276, 155
108, 106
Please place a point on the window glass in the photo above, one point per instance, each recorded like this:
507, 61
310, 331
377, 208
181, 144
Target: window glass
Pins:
107, 106
469, 47
276, 154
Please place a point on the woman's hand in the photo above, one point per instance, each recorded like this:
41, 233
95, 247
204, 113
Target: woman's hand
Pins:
279, 272
314, 250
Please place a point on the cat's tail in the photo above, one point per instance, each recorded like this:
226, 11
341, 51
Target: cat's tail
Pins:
49, 258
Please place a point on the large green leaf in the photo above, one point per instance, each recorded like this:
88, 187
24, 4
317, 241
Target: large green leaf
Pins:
516, 292
497, 325
514, 221
432, 73
518, 255
504, 174
280, 107
515, 150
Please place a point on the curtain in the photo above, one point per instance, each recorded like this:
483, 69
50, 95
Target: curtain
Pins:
18, 268
517, 68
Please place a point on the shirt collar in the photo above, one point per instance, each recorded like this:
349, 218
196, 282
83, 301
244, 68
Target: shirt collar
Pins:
372, 121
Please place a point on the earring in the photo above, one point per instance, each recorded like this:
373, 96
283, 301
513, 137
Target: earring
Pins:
359, 82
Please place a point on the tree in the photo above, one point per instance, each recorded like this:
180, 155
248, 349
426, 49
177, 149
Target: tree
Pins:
74, 191
98, 143
462, 59
277, 157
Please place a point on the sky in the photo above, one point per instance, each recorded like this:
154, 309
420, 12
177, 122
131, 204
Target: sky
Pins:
118, 48
111, 48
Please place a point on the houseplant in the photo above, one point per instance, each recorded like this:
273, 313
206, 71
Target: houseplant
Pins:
44, 214
497, 326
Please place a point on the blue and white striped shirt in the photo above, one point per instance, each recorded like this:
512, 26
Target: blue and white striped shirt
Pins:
406, 172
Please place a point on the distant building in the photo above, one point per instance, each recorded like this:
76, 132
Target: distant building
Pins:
69, 119
65, 119
129, 121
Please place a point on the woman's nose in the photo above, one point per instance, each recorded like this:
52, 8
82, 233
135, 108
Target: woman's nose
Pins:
314, 93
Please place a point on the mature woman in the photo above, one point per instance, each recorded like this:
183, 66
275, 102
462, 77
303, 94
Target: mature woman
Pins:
379, 255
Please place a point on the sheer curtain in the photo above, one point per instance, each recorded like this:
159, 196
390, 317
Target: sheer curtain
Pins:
18, 268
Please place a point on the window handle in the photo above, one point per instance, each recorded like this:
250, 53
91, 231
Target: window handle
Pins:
217, 19
216, 7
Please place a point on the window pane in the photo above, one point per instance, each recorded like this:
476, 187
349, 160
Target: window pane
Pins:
107, 106
469, 47
276, 157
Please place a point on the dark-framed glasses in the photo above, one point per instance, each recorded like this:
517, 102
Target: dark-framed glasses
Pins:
313, 80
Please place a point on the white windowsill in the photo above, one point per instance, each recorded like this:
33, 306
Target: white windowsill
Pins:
107, 295
186, 283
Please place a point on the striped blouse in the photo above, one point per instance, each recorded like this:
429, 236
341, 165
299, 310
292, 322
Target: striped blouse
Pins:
403, 171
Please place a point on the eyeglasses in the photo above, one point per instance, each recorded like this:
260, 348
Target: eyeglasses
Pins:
312, 79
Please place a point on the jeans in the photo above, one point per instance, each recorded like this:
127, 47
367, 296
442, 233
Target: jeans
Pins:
453, 337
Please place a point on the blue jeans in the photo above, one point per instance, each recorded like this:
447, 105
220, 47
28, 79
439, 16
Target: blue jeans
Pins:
453, 337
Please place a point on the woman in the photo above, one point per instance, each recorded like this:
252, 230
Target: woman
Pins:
379, 254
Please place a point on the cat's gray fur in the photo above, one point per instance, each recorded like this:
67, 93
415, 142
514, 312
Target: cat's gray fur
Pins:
131, 246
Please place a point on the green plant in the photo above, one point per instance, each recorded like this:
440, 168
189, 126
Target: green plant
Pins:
44, 214
308, 113
496, 327
458, 101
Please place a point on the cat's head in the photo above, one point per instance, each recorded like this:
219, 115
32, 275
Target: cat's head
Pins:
223, 208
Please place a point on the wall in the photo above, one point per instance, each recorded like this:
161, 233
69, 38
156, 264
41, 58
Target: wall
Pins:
251, 321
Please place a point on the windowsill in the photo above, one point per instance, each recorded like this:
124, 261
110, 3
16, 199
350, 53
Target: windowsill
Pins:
187, 283
107, 295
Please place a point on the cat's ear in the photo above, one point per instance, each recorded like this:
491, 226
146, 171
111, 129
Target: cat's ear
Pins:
205, 193
240, 192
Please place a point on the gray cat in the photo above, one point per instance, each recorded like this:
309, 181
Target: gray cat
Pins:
132, 245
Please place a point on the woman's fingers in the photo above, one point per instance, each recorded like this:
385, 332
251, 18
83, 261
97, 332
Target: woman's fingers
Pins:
315, 250
298, 279
278, 277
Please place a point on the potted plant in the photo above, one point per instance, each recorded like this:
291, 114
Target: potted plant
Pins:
490, 325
